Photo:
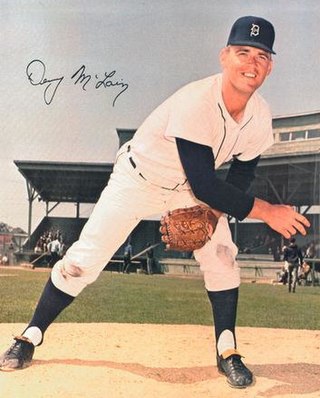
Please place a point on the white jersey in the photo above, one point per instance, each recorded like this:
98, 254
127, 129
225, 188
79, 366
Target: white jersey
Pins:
197, 113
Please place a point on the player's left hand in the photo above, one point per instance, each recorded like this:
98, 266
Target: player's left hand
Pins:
284, 219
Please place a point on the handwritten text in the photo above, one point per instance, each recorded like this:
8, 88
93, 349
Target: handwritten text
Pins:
37, 75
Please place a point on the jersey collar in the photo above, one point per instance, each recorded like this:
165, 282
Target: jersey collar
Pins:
248, 113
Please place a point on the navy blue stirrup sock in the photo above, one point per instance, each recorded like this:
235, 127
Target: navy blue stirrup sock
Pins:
52, 302
224, 307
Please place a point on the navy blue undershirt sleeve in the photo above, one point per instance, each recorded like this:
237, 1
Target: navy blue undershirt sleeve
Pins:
241, 174
227, 196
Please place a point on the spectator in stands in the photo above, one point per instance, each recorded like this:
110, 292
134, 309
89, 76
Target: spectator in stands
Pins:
293, 256
303, 273
63, 248
59, 235
275, 249
311, 251
5, 259
258, 240
54, 249
305, 269
38, 247
283, 275
46, 238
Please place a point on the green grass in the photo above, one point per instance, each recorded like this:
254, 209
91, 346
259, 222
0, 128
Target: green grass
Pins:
159, 299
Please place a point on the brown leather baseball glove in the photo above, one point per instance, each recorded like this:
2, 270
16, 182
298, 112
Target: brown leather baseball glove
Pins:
188, 229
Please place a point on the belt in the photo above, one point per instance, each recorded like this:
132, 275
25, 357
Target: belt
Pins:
133, 164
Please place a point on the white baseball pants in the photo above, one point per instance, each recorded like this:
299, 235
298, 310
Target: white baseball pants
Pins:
126, 200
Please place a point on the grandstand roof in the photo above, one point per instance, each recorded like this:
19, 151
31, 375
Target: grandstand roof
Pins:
288, 178
65, 181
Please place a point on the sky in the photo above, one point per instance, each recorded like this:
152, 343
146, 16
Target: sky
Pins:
145, 50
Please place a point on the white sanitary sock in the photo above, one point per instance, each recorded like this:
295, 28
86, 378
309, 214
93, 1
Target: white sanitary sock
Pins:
226, 341
34, 334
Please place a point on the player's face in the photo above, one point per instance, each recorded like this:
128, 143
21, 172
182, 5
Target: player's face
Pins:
245, 68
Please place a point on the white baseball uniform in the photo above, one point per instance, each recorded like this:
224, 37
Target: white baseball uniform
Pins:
148, 179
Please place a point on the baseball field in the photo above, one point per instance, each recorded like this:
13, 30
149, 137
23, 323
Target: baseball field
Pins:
151, 336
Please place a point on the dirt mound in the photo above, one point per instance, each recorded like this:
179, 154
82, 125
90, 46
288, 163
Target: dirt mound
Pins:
155, 361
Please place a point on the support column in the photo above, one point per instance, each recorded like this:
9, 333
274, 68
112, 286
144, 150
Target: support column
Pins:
32, 195
77, 210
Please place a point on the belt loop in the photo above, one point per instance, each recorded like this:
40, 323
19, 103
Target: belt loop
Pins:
128, 148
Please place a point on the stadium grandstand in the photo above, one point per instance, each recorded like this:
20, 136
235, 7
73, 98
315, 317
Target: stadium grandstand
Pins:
287, 173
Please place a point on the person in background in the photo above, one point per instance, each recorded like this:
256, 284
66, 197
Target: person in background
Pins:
293, 257
54, 250
127, 257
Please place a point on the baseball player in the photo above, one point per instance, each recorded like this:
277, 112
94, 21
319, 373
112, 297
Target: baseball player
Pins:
170, 163
293, 257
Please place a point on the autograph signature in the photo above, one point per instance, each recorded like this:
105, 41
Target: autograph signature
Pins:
36, 71
36, 74
80, 76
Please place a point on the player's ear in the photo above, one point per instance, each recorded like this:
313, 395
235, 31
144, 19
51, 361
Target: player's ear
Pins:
223, 56
270, 67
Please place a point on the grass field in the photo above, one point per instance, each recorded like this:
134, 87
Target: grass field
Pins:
159, 299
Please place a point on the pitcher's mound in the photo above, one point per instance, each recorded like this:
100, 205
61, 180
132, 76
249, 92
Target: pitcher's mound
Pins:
103, 360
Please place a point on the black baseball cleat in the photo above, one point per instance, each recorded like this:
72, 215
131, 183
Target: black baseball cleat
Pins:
18, 356
238, 375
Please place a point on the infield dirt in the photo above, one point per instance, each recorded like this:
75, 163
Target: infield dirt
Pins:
160, 361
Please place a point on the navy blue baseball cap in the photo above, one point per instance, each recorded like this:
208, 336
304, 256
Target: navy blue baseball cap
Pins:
254, 32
